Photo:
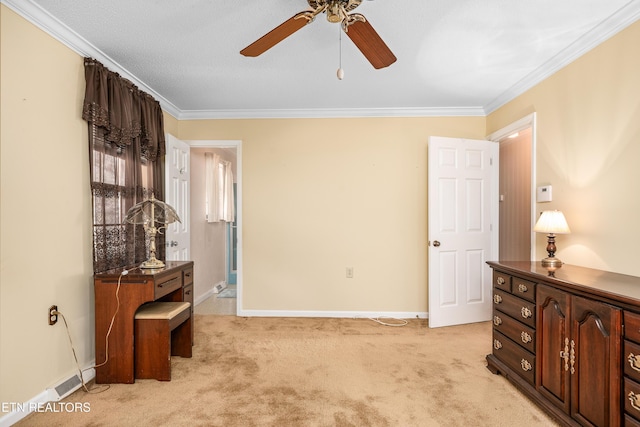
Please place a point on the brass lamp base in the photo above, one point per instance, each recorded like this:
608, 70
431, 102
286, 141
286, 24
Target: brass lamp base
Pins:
551, 262
151, 263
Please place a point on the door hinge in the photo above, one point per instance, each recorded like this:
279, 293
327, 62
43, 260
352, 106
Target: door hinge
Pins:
490, 161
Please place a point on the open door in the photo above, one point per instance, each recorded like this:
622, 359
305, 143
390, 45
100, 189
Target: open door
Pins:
463, 194
177, 195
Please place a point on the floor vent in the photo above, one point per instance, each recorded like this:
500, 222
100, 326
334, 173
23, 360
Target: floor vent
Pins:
219, 287
68, 386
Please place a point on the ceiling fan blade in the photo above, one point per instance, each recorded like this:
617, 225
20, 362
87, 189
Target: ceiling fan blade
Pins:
276, 35
370, 44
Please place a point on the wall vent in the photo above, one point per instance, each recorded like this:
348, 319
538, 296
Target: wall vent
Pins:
219, 287
67, 387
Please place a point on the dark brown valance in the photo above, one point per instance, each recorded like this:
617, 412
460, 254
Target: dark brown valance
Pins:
122, 110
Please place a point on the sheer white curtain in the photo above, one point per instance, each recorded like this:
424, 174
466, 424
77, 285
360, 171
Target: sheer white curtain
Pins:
219, 188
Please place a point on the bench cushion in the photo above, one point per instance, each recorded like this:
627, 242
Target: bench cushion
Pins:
162, 310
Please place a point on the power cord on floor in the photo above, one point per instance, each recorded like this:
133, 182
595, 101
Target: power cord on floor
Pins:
75, 357
113, 318
401, 322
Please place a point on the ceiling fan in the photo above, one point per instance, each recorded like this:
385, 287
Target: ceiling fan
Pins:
355, 25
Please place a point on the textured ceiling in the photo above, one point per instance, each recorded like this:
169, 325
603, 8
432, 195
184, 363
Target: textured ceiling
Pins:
462, 56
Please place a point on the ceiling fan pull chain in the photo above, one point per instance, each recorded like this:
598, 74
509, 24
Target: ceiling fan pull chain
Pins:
340, 72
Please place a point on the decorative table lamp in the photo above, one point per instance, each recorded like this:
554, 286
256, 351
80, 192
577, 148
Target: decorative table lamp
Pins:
151, 213
552, 223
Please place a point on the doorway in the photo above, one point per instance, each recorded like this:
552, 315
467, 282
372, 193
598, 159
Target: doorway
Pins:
211, 249
516, 190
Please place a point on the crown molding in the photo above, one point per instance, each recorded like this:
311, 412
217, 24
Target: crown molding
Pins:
620, 20
65, 35
331, 113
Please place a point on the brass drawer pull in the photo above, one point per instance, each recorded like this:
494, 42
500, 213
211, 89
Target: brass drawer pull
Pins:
572, 357
525, 337
522, 288
633, 361
635, 401
497, 344
501, 281
168, 282
564, 355
497, 320
525, 365
497, 299
525, 312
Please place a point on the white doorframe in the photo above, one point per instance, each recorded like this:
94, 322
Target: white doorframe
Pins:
237, 144
523, 123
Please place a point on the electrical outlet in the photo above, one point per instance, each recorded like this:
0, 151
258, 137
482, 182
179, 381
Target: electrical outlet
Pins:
349, 272
53, 315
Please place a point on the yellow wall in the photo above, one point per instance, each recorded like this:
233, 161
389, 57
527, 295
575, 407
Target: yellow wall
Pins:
45, 211
321, 195
588, 122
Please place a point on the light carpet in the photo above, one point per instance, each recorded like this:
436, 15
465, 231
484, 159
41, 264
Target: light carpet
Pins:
316, 372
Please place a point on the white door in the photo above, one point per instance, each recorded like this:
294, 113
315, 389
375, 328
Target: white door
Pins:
463, 191
177, 195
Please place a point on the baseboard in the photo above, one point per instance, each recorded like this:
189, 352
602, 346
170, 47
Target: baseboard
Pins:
336, 314
16, 411
203, 297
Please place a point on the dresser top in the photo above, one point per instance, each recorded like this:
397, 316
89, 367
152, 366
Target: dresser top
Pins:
613, 286
135, 271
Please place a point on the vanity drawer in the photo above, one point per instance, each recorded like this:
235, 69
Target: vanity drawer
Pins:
632, 326
502, 281
167, 284
514, 356
188, 276
522, 334
524, 311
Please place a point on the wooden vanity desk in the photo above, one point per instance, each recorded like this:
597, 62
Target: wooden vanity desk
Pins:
569, 339
174, 282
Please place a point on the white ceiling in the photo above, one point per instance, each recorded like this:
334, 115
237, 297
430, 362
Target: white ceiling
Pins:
455, 57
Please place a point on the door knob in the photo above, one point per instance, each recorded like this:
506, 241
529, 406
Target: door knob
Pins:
436, 243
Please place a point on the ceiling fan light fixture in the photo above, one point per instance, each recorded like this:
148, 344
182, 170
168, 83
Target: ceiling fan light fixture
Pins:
334, 12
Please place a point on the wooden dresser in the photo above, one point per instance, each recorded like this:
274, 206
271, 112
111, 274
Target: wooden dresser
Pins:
115, 292
570, 340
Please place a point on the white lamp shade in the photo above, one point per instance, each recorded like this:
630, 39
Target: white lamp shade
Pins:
552, 222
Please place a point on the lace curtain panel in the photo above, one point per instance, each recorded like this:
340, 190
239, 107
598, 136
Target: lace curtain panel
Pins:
219, 189
127, 148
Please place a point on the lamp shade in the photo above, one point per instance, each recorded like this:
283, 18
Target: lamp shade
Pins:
149, 213
552, 222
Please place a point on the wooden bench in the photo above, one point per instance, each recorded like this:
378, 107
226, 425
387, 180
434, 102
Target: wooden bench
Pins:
162, 330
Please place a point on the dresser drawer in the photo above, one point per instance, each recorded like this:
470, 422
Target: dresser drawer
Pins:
632, 326
167, 284
629, 421
518, 332
631, 359
524, 311
502, 281
523, 288
632, 398
514, 356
